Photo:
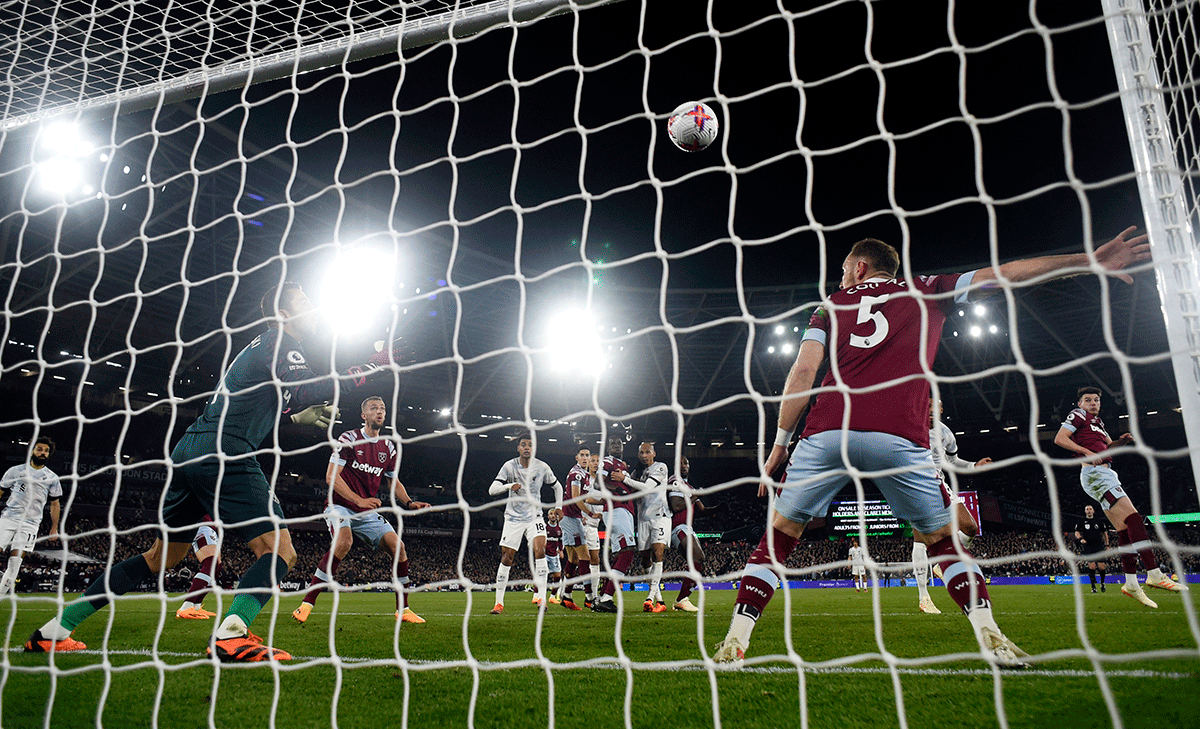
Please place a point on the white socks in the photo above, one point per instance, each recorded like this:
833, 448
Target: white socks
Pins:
232, 627
920, 560
501, 582
656, 571
540, 572
53, 631
10, 575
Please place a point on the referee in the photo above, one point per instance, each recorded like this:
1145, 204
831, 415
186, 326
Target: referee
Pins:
1092, 534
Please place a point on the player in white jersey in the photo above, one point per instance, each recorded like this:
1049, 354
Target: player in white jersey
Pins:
654, 521
522, 480
945, 450
858, 565
592, 514
29, 486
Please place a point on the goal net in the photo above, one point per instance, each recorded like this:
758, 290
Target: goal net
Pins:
498, 237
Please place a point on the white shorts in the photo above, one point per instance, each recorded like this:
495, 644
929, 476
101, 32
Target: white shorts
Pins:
515, 531
655, 530
17, 536
858, 570
680, 535
572, 531
817, 473
206, 536
1102, 484
591, 536
553, 564
368, 525
620, 530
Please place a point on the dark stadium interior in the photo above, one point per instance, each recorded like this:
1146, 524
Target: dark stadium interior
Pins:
121, 312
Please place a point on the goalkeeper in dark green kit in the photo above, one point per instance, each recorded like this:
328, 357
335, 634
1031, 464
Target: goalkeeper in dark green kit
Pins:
214, 471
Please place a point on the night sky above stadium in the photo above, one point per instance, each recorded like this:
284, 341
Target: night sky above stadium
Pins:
856, 120
935, 178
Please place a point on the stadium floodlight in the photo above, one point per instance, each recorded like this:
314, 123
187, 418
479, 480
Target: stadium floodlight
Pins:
573, 343
64, 139
993, 329
60, 175
787, 348
976, 330
355, 281
980, 310
779, 329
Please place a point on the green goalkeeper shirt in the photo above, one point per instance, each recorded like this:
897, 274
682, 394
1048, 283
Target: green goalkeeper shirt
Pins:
267, 378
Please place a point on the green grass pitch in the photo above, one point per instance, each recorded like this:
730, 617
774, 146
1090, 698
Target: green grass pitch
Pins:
363, 672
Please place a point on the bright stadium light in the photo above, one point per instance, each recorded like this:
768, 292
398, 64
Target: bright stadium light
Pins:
787, 348
65, 139
980, 310
573, 343
60, 175
355, 282
976, 330
779, 329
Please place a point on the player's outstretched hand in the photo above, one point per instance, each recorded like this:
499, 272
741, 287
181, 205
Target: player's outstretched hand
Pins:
1120, 253
414, 505
319, 415
982, 462
1125, 439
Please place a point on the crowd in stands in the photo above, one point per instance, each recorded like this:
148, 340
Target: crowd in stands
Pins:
449, 563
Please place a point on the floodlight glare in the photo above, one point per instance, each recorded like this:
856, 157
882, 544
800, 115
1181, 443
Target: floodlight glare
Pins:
787, 348
976, 330
65, 138
573, 343
993, 329
771, 350
980, 310
779, 329
60, 175
355, 280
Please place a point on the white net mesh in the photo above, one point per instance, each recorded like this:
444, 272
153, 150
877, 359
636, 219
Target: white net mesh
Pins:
492, 182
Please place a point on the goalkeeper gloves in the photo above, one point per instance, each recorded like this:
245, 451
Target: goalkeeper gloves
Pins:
398, 354
319, 415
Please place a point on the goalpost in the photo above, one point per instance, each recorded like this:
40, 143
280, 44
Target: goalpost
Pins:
479, 168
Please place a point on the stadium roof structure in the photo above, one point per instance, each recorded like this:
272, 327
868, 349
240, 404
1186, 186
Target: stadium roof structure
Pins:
206, 203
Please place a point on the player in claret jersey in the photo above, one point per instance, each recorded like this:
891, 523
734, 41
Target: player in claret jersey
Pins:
214, 470
881, 335
554, 548
618, 496
361, 464
1083, 433
575, 546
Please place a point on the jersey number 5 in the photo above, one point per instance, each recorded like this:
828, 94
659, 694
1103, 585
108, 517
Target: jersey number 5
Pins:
866, 315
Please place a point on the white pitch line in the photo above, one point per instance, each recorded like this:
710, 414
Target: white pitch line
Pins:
425, 664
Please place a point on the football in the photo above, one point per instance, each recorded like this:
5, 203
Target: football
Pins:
692, 126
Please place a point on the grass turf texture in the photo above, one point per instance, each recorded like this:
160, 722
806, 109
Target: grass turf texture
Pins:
368, 686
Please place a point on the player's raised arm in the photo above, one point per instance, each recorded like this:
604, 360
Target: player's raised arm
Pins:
1116, 255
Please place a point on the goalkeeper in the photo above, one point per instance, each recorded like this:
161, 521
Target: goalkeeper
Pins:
214, 471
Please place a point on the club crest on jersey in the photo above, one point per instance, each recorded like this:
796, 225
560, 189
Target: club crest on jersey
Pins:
295, 357
382, 457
